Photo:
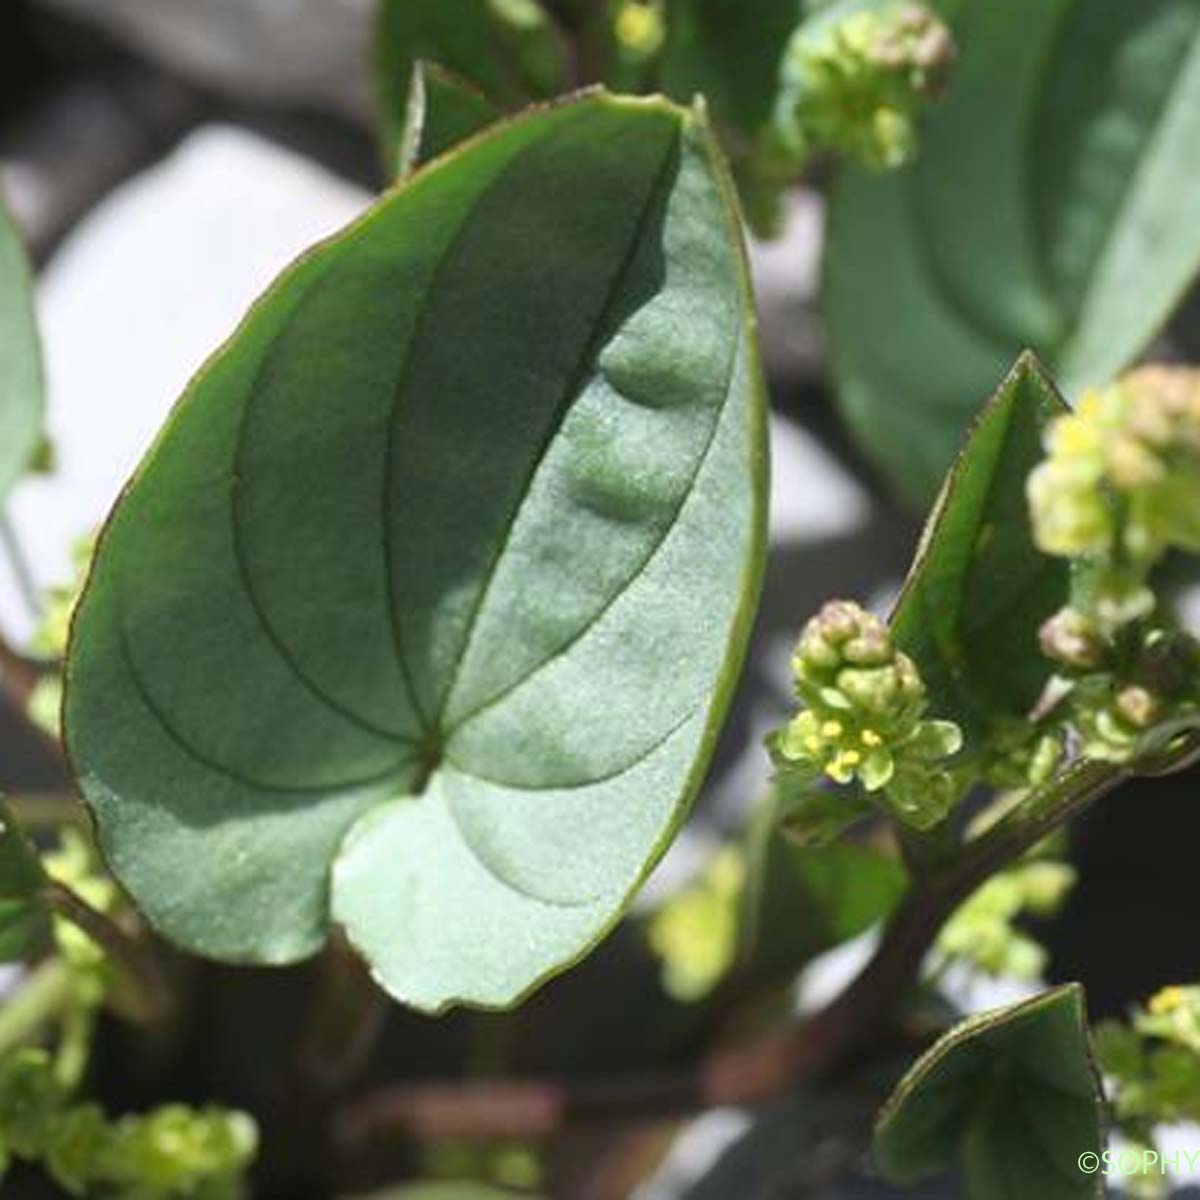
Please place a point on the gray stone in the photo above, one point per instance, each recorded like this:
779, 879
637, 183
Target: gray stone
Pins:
312, 52
134, 301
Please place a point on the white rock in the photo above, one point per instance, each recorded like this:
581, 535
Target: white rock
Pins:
787, 276
813, 497
144, 289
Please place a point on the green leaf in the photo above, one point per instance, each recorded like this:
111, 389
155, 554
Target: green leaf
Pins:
506, 48
729, 51
802, 901
1010, 1097
979, 588
1051, 206
20, 360
443, 110
811, 811
442, 569
24, 922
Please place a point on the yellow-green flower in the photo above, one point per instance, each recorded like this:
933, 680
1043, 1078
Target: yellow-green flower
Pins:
639, 28
863, 718
857, 85
1122, 473
695, 932
981, 931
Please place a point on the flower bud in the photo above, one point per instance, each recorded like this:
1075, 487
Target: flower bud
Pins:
856, 85
1071, 638
863, 721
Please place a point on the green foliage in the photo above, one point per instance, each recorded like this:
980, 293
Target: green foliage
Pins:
509, 49
171, 1153
24, 925
864, 718
1152, 1072
20, 360
731, 52
443, 110
462, 693
767, 907
803, 900
1009, 1097
1050, 207
979, 589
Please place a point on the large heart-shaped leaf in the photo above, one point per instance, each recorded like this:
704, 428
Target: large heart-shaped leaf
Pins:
979, 588
20, 359
1010, 1097
1053, 205
442, 569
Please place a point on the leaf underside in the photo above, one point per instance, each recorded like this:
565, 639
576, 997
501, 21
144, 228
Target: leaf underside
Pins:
1052, 205
427, 603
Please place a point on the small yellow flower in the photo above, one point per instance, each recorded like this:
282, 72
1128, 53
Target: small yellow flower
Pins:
639, 28
1167, 1000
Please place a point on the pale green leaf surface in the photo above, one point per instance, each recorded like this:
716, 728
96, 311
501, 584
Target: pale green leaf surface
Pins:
472, 507
1051, 206
1010, 1097
20, 359
979, 589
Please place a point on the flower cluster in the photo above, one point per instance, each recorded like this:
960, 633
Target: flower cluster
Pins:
982, 932
1120, 486
864, 719
857, 85
1152, 1064
172, 1153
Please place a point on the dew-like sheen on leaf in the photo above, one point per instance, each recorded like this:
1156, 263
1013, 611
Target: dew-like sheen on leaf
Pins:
424, 609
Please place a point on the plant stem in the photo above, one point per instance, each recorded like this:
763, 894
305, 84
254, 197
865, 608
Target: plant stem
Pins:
151, 994
26, 585
45, 812
345, 1020
44, 997
74, 1045
765, 1066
